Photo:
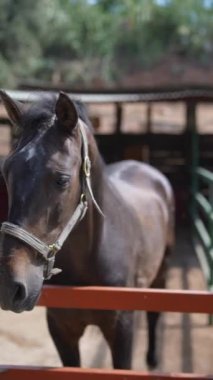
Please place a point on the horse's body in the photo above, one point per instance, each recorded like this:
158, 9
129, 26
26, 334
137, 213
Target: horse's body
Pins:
125, 248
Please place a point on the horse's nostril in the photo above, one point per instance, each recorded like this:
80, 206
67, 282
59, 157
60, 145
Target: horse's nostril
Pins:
19, 293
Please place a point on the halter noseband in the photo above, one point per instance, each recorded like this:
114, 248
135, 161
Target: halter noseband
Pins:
48, 252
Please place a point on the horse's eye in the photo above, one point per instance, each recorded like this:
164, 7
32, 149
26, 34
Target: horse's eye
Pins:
62, 181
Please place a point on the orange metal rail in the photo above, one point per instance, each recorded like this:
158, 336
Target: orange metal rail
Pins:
21, 373
109, 299
106, 298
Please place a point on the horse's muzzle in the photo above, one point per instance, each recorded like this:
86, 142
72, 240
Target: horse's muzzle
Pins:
14, 296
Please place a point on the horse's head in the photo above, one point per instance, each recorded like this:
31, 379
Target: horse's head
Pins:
43, 175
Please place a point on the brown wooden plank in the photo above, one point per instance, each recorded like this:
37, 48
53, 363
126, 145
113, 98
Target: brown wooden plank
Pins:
106, 298
33, 373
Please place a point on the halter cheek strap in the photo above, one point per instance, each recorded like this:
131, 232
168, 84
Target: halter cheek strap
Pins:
48, 252
87, 166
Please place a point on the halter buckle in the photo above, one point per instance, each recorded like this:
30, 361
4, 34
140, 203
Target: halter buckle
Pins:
83, 198
53, 249
87, 166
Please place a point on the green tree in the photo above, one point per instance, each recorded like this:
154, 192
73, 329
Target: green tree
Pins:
21, 32
81, 42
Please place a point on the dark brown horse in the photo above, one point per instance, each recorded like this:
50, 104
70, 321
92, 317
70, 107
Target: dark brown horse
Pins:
51, 192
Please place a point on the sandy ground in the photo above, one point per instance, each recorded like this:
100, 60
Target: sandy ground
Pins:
185, 342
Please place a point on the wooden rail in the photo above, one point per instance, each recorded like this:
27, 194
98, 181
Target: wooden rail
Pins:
171, 93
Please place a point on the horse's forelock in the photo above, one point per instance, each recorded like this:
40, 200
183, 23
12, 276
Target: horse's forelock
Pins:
40, 113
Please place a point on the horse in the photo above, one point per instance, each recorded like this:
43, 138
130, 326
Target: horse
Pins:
104, 225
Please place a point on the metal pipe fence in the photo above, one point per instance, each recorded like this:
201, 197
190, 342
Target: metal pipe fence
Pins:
107, 298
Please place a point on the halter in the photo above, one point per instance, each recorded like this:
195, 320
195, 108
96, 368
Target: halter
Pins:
48, 252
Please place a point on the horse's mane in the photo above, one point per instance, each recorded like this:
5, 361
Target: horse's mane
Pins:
41, 112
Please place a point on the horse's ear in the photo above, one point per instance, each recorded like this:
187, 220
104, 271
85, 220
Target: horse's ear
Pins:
66, 112
13, 107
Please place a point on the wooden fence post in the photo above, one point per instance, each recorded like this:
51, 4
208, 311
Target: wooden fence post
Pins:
147, 146
193, 158
118, 127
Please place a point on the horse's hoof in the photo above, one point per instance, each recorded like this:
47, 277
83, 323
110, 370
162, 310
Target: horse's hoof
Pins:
151, 361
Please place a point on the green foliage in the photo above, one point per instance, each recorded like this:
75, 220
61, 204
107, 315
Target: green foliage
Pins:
81, 42
21, 28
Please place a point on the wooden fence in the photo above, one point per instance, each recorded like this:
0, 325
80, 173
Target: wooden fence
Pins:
113, 299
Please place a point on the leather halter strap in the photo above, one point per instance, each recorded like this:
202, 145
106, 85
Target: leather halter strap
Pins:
48, 252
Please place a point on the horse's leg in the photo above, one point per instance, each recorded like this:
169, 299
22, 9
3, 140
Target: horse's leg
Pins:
66, 341
119, 336
153, 317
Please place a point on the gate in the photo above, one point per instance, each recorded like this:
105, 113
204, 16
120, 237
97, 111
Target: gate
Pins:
202, 219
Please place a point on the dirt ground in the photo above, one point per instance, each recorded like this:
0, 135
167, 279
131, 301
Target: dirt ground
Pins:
185, 341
